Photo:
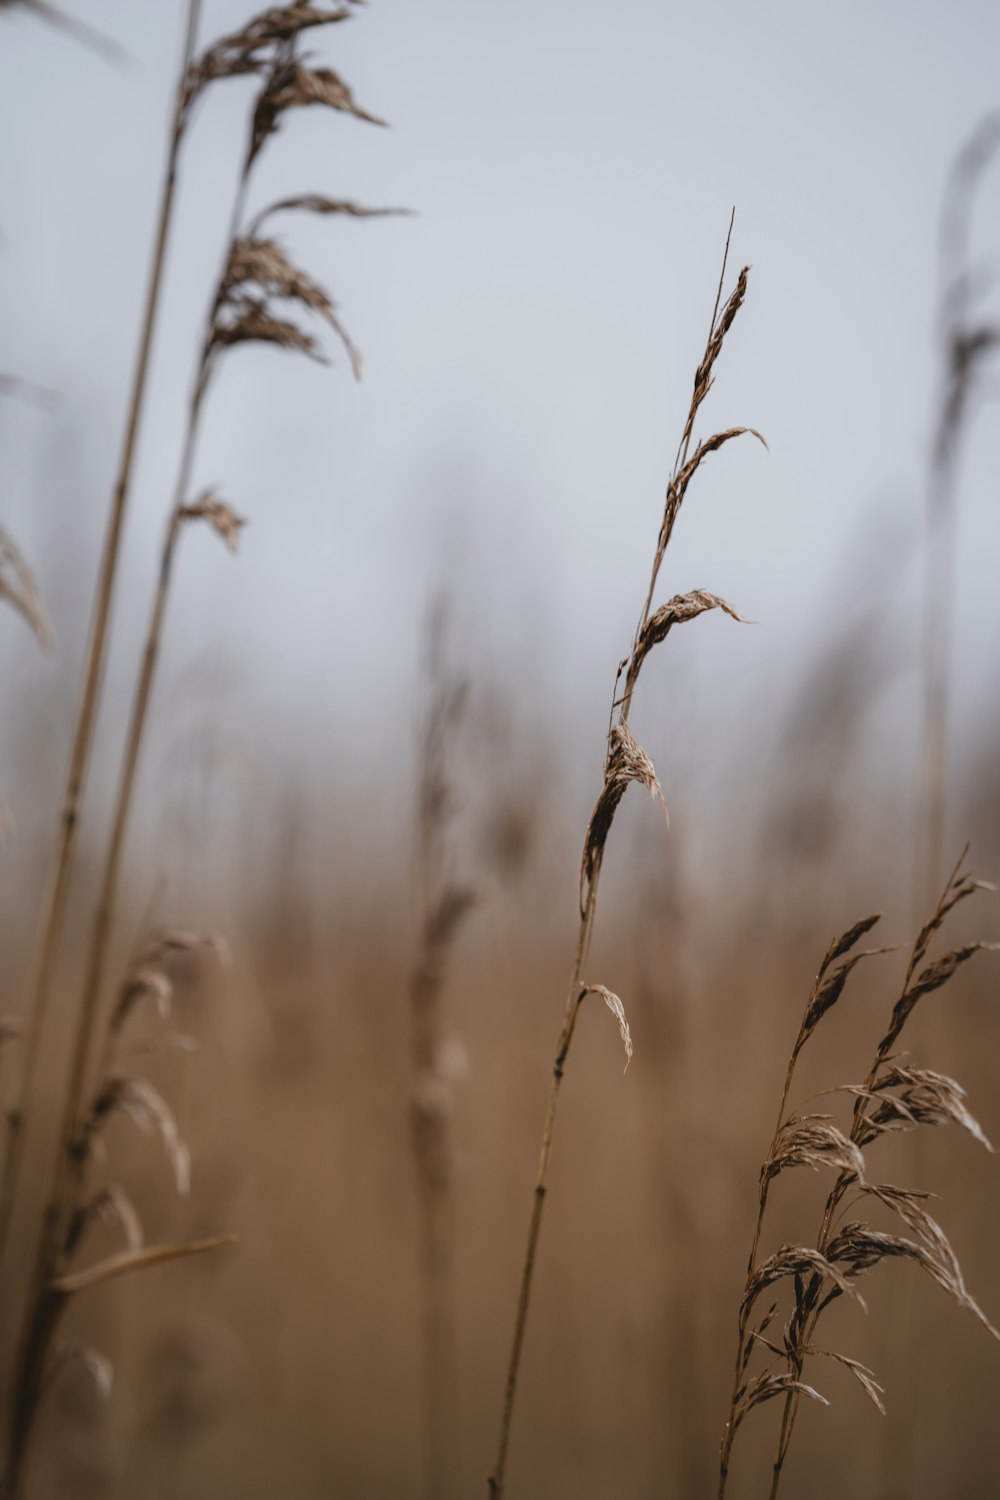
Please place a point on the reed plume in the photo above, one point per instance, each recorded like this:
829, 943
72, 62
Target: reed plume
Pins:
119, 1090
625, 763
54, 908
261, 297
895, 1096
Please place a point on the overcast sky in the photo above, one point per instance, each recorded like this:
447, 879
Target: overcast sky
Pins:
529, 335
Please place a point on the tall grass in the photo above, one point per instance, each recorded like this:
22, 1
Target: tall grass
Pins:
446, 901
895, 1096
261, 297
625, 763
54, 909
969, 340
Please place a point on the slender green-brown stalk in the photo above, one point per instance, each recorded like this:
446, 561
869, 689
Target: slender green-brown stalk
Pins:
624, 762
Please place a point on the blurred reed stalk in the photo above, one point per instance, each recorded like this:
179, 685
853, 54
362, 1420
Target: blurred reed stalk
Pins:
895, 1096
118, 1091
968, 340
625, 762
675, 1119
89, 36
54, 909
446, 903
256, 274
19, 590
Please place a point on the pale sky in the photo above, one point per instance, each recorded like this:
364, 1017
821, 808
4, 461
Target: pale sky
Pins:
530, 338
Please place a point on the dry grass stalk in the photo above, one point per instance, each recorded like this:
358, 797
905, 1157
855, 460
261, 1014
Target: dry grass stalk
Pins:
255, 275
969, 339
237, 314
118, 1093
83, 733
18, 588
241, 311
447, 902
895, 1096
625, 762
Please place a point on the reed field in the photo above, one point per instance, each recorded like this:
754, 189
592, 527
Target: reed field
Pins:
499, 812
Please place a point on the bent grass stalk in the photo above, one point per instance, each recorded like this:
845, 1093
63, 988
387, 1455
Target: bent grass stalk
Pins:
625, 762
83, 733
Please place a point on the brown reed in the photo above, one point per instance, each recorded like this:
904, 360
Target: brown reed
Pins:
625, 762
447, 901
54, 908
257, 279
119, 1090
895, 1096
969, 339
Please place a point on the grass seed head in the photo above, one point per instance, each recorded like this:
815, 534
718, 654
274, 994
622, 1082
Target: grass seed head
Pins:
617, 1009
221, 517
813, 1141
146, 1107
626, 762
254, 48
258, 274
294, 85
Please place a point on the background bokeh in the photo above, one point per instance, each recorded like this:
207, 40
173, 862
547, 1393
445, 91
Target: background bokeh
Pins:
529, 335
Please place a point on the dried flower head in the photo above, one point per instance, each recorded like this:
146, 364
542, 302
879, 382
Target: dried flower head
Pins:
294, 85
256, 47
146, 1107
220, 516
617, 1009
258, 274
676, 611
813, 1141
626, 762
